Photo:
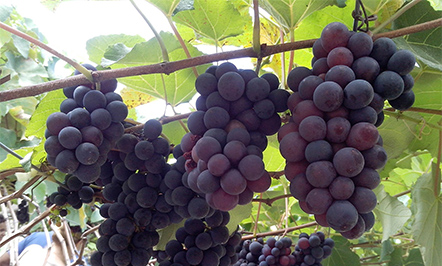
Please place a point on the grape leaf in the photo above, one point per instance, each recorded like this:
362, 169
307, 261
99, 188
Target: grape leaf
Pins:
172, 7
390, 212
288, 13
213, 19
414, 258
342, 254
238, 214
5, 12
167, 234
97, 46
427, 225
426, 45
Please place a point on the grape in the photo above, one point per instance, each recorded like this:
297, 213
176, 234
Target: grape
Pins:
93, 100
108, 227
219, 234
245, 197
264, 108
296, 75
233, 182
300, 187
239, 134
118, 111
66, 162
338, 129
362, 136
251, 167
160, 220
312, 128
113, 132
320, 67
216, 117
118, 242
260, 185
348, 162
363, 199
144, 149
205, 84
250, 119
342, 215
404, 101
92, 135
200, 103
318, 50
206, 147
340, 74
360, 44
377, 103
358, 94
162, 206
339, 56
218, 164
235, 151
292, 147
307, 86
101, 118
224, 68
68, 105
389, 85
257, 89
215, 99
86, 194
365, 114
147, 197
341, 188
279, 99
88, 173
408, 82
369, 220
221, 200
258, 139
79, 93
155, 164
319, 150
239, 106
79, 118
195, 123
56, 122
108, 258
161, 146
366, 68
112, 96
334, 35
318, 200
152, 129
368, 178
401, 62
69, 91
320, 174
125, 227
271, 125
231, 86
87, 153
248, 74
52, 146
383, 49
122, 258
328, 96
375, 157
198, 208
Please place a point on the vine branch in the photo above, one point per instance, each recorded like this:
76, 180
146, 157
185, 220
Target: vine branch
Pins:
281, 231
170, 67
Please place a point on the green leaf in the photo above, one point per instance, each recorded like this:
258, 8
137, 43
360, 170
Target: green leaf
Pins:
171, 7
174, 132
288, 13
273, 159
238, 214
342, 254
391, 212
175, 88
7, 138
26, 162
97, 46
213, 19
28, 71
5, 12
426, 45
387, 249
12, 161
396, 257
427, 224
414, 258
48, 105
22, 45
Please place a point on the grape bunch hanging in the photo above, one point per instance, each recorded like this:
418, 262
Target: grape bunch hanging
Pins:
331, 145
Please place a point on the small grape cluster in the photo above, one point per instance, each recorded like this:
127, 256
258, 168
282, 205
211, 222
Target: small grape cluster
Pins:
202, 242
89, 123
331, 145
228, 133
311, 250
73, 192
271, 253
22, 212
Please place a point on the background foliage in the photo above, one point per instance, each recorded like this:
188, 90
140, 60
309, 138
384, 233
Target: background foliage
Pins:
409, 212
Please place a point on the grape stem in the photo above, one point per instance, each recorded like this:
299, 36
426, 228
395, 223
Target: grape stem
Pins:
77, 66
281, 231
419, 110
170, 67
157, 36
256, 28
269, 201
400, 115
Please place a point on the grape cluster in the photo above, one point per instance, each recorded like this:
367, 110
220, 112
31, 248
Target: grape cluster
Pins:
331, 144
22, 212
204, 242
311, 250
89, 123
228, 133
73, 192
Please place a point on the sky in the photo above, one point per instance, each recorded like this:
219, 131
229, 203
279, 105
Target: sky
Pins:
68, 28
